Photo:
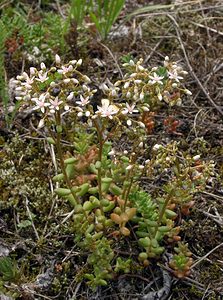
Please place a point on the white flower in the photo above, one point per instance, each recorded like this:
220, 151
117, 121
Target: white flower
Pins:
83, 101
174, 76
107, 110
156, 78
42, 76
28, 81
65, 69
129, 109
55, 105
129, 167
40, 103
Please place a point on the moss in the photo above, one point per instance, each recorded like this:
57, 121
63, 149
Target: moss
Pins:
211, 273
22, 178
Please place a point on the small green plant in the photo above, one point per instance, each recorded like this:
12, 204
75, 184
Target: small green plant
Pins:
104, 14
182, 261
78, 11
102, 183
8, 269
3, 82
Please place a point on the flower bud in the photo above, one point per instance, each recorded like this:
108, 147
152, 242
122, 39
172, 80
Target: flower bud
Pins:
157, 147
57, 59
126, 85
188, 92
144, 108
74, 80
196, 157
174, 85
79, 62
141, 124
129, 122
160, 97
71, 96
43, 66
86, 79
32, 70
73, 62
141, 96
53, 84
128, 95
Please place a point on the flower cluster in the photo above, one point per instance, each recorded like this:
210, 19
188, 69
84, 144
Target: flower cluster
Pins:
149, 87
56, 89
63, 86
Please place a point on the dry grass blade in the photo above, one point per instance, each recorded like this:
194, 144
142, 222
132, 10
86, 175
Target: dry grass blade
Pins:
190, 67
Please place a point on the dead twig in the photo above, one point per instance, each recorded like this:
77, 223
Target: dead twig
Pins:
205, 256
207, 27
213, 195
61, 223
115, 60
217, 218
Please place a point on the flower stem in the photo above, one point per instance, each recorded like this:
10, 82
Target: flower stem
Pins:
101, 143
161, 214
60, 155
